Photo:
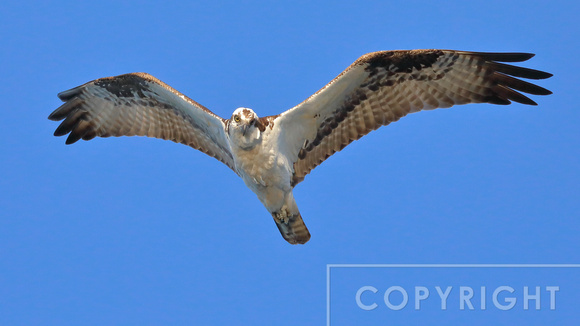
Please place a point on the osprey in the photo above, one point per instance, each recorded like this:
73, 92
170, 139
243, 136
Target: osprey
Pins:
273, 154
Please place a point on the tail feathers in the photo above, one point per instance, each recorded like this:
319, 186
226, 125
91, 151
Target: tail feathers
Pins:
292, 228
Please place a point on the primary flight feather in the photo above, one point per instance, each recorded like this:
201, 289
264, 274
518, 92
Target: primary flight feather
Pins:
273, 154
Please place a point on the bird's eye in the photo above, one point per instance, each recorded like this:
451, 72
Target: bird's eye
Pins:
236, 118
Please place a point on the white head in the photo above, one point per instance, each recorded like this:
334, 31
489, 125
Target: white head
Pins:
245, 128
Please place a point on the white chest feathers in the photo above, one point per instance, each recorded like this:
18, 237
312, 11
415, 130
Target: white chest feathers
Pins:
262, 166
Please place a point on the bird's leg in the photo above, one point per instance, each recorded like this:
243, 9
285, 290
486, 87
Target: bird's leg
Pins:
283, 215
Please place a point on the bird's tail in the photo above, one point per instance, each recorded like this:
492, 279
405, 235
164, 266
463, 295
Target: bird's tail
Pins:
292, 227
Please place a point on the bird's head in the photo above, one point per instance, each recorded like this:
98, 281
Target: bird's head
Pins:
245, 128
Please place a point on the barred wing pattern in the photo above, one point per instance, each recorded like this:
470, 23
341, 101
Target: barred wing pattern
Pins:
139, 104
382, 87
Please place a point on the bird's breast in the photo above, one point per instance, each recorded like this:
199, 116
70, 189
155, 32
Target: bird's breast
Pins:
262, 167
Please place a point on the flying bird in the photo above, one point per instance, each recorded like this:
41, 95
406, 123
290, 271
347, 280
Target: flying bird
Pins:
273, 154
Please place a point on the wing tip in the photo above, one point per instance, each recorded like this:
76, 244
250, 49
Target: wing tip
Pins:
66, 109
53, 116
503, 56
69, 94
72, 138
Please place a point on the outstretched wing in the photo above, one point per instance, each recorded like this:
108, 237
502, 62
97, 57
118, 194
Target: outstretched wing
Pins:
139, 104
382, 87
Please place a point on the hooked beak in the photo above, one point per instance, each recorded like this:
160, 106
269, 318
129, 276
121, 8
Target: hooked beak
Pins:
258, 124
253, 123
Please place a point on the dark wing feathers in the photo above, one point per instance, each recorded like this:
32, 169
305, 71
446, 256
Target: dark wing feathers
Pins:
139, 104
497, 56
518, 71
381, 87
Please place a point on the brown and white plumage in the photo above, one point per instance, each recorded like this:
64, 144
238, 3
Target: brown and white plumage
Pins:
382, 87
275, 153
139, 104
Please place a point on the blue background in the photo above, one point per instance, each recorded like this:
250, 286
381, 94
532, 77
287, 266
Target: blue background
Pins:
143, 231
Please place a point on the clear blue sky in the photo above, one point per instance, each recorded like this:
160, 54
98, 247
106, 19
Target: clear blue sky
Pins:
138, 231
